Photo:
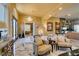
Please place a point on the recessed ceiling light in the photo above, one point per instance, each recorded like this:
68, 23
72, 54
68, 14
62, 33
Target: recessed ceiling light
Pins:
60, 8
68, 15
29, 18
50, 15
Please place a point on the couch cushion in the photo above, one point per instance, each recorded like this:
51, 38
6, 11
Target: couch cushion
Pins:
39, 41
68, 40
43, 49
64, 44
44, 38
72, 35
61, 38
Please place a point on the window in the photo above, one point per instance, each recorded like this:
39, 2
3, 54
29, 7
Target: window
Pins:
3, 20
3, 15
1, 12
76, 28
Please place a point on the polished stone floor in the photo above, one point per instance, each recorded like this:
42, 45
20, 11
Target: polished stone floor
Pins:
24, 47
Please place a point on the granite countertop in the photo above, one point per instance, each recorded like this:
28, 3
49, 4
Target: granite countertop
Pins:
4, 43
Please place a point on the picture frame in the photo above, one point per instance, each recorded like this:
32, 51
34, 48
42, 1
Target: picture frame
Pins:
57, 25
28, 28
49, 26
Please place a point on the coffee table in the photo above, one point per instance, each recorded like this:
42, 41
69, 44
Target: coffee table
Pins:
71, 53
53, 44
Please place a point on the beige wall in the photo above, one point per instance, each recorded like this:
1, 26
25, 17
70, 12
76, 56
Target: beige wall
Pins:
23, 19
11, 12
40, 24
53, 20
20, 21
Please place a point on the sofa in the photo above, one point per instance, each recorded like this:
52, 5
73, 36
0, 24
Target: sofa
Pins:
63, 42
72, 35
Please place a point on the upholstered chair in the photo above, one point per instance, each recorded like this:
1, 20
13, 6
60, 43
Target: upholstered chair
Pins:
64, 43
41, 48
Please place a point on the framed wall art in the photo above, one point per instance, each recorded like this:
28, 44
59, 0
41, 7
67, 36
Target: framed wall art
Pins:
28, 28
57, 25
49, 26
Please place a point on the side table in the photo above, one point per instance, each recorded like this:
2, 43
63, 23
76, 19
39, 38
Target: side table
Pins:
53, 44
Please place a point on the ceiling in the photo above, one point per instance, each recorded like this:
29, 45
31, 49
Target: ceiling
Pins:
44, 10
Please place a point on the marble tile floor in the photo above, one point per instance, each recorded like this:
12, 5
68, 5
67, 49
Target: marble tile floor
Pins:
26, 49
23, 47
56, 53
